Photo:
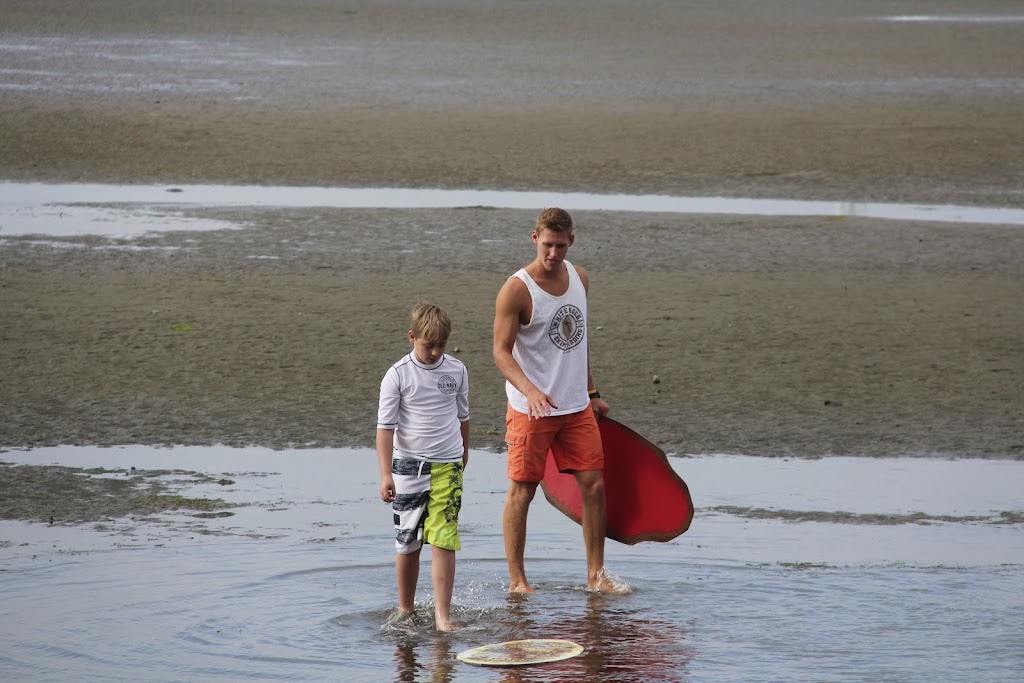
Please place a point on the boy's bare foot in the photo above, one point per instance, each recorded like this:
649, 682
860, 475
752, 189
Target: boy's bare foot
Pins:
403, 617
446, 626
521, 588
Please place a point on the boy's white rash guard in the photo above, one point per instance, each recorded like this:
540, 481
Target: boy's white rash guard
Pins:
425, 405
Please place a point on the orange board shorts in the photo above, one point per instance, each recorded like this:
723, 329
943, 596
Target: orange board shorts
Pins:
530, 440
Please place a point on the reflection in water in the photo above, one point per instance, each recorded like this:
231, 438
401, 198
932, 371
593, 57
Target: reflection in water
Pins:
623, 646
439, 666
620, 644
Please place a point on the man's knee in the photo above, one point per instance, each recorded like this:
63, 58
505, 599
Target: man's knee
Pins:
522, 491
591, 484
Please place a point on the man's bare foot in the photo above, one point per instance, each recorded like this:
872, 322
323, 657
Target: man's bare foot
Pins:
606, 583
446, 626
521, 588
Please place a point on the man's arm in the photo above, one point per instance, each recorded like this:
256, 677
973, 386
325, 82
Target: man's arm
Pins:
513, 298
599, 406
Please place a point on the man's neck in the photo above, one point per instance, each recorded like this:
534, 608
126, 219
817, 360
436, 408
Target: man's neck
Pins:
539, 273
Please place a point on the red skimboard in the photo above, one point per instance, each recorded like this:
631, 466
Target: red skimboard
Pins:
646, 499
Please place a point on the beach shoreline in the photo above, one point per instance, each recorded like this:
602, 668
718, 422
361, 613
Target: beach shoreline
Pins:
774, 336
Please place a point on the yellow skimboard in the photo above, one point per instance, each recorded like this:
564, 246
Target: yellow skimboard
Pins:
521, 652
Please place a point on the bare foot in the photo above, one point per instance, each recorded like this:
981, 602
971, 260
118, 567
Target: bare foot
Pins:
402, 617
521, 588
606, 583
446, 626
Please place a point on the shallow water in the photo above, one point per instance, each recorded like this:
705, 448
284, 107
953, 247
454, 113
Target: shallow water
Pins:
124, 211
847, 569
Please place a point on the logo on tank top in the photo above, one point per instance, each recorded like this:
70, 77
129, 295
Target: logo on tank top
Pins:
447, 384
567, 327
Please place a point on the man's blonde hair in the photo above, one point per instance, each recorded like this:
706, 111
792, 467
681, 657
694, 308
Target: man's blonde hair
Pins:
430, 322
554, 219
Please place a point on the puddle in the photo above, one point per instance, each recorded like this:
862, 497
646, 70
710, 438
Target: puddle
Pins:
956, 19
298, 583
130, 210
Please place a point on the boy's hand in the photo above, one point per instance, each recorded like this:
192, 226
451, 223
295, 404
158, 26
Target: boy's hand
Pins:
387, 489
600, 407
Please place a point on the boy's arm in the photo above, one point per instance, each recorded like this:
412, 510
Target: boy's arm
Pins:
464, 426
385, 450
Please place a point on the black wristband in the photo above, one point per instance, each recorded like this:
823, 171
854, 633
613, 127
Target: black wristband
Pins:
594, 394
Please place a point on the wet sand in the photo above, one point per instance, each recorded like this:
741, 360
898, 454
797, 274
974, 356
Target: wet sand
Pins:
770, 336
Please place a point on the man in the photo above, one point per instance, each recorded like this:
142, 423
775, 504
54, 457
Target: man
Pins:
541, 348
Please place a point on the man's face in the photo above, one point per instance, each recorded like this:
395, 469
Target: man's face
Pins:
552, 247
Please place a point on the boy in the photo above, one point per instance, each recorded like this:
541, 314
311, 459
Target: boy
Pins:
422, 449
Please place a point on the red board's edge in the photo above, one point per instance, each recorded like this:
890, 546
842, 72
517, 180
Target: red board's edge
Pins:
667, 535
636, 538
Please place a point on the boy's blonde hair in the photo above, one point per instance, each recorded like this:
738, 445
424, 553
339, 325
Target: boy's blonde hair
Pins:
554, 219
430, 322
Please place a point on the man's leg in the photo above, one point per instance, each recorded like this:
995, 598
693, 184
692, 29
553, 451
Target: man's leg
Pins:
517, 505
407, 567
442, 571
595, 520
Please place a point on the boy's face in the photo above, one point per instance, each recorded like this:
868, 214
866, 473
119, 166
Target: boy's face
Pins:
552, 247
427, 351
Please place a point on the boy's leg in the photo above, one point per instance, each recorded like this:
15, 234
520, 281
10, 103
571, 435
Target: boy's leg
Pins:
407, 568
412, 490
442, 570
441, 530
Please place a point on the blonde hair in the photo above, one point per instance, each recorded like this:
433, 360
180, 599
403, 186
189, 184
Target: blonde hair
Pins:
430, 322
554, 219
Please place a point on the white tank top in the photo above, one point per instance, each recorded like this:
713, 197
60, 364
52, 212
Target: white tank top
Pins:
552, 349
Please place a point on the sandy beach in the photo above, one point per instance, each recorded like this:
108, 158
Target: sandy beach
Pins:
768, 335
187, 490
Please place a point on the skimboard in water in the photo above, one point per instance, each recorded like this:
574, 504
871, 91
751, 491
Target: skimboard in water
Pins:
646, 499
521, 652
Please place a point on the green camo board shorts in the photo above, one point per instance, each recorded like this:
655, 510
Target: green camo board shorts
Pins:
428, 497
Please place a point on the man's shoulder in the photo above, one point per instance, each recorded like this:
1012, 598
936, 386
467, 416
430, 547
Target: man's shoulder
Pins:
583, 275
516, 278
514, 288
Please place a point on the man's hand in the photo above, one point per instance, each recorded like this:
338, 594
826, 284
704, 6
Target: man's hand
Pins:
600, 407
538, 403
